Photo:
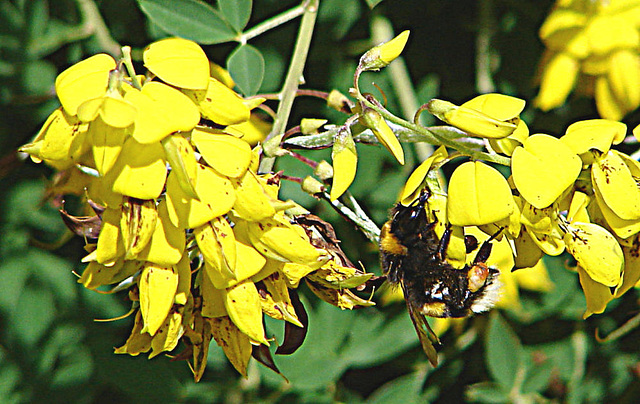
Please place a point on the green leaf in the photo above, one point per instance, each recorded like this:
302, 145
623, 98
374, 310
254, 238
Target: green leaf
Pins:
486, 392
385, 340
236, 12
34, 314
328, 329
37, 13
37, 77
404, 389
537, 378
503, 351
190, 19
246, 66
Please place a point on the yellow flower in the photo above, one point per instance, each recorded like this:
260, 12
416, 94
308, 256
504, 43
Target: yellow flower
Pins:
383, 54
491, 116
596, 41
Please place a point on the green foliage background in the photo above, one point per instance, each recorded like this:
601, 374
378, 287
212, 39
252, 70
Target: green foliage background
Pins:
51, 349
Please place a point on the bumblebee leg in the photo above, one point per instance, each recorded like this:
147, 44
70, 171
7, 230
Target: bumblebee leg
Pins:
444, 241
485, 249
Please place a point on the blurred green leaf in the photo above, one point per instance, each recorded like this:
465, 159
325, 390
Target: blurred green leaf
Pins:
34, 313
74, 367
402, 390
537, 378
37, 15
340, 15
14, 272
246, 66
38, 77
190, 19
487, 392
504, 351
10, 377
373, 341
11, 18
236, 12
328, 330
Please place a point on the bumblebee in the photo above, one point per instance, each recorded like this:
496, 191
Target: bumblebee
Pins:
413, 256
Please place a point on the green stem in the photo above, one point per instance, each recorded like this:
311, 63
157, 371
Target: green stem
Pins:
474, 154
370, 230
272, 23
94, 23
382, 31
128, 64
288, 92
484, 79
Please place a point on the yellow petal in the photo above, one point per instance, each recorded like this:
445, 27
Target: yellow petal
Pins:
168, 335
167, 242
499, 106
622, 228
220, 104
138, 341
106, 144
383, 54
598, 134
631, 273
578, 208
217, 243
253, 131
607, 33
235, 344
248, 263
345, 162
474, 122
617, 187
596, 294
216, 193
417, 179
114, 111
162, 110
84, 81
227, 154
478, 194
212, 298
558, 79
374, 121
110, 243
507, 145
137, 225
243, 305
179, 62
597, 252
140, 170
62, 140
527, 251
182, 159
183, 292
252, 202
607, 104
158, 287
624, 77
276, 238
561, 26
543, 168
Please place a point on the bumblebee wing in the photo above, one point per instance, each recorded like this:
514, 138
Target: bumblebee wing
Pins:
428, 338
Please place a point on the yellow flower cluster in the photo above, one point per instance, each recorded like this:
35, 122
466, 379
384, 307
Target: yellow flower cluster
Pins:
185, 221
596, 45
573, 194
